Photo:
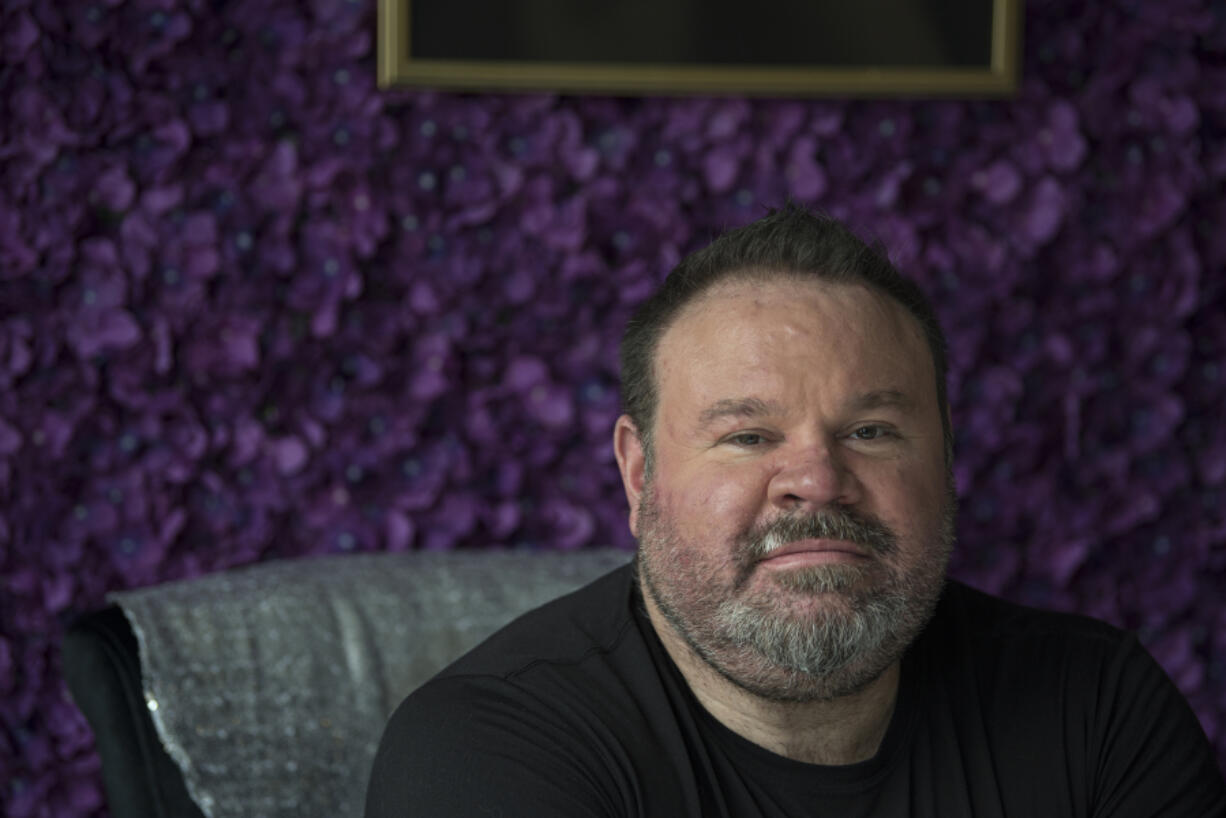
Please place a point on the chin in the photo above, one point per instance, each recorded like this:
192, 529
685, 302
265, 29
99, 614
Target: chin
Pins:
811, 643
817, 580
767, 680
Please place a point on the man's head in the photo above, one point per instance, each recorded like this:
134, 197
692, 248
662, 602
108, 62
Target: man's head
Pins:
797, 513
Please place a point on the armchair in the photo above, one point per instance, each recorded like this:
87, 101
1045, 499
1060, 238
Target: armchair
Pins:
264, 690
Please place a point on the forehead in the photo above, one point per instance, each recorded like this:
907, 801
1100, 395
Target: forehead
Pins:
786, 334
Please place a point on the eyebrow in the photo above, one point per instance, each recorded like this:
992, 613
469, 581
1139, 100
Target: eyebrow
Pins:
884, 399
738, 408
756, 408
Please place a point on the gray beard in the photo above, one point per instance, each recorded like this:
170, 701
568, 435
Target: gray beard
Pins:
759, 643
820, 658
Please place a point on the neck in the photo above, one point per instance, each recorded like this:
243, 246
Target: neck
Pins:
839, 731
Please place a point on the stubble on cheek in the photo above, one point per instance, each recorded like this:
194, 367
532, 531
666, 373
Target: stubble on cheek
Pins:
687, 552
683, 571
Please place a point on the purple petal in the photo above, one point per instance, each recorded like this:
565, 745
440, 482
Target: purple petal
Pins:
175, 135
10, 438
1045, 213
19, 38
209, 118
720, 167
277, 186
525, 372
240, 343
551, 405
289, 454
806, 178
999, 182
102, 331
115, 190
248, 438
1066, 147
399, 531
158, 200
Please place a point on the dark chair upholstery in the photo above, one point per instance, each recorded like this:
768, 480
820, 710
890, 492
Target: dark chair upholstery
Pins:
102, 667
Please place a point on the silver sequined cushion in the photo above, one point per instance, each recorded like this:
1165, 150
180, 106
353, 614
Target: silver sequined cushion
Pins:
270, 685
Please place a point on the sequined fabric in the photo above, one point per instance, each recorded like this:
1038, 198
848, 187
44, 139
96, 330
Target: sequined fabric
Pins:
270, 685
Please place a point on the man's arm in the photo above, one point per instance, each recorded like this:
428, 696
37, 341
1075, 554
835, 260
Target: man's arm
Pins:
478, 746
1154, 758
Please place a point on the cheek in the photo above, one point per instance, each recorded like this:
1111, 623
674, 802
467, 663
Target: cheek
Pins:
720, 492
918, 503
920, 487
713, 504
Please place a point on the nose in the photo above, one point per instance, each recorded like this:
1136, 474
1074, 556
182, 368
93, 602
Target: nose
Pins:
813, 477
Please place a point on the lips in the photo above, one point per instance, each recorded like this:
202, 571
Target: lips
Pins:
817, 547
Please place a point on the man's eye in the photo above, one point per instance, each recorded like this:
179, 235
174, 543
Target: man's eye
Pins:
869, 433
747, 439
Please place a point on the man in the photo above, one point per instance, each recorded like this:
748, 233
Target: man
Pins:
786, 643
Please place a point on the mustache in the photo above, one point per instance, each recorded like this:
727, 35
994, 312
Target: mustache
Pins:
836, 523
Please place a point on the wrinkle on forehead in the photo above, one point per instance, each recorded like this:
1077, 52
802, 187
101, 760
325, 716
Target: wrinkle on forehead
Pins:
743, 329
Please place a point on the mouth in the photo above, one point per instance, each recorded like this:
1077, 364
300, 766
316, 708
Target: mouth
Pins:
815, 552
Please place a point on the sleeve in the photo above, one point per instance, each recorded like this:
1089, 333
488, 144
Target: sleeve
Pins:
480, 746
1154, 759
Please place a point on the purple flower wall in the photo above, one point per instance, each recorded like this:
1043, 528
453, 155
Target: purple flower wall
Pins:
252, 307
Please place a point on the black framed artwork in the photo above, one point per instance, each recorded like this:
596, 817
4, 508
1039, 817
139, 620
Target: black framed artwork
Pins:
671, 47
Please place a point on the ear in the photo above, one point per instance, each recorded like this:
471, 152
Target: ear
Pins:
628, 449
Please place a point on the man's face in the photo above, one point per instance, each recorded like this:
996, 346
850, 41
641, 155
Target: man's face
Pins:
798, 520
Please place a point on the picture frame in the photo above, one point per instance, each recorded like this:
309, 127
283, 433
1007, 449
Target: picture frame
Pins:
684, 47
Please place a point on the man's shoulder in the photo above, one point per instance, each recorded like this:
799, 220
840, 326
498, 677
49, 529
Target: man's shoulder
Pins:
983, 616
587, 624
976, 630
513, 719
578, 657
1078, 699
541, 708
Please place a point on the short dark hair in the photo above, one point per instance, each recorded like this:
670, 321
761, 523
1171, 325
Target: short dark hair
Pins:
791, 242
